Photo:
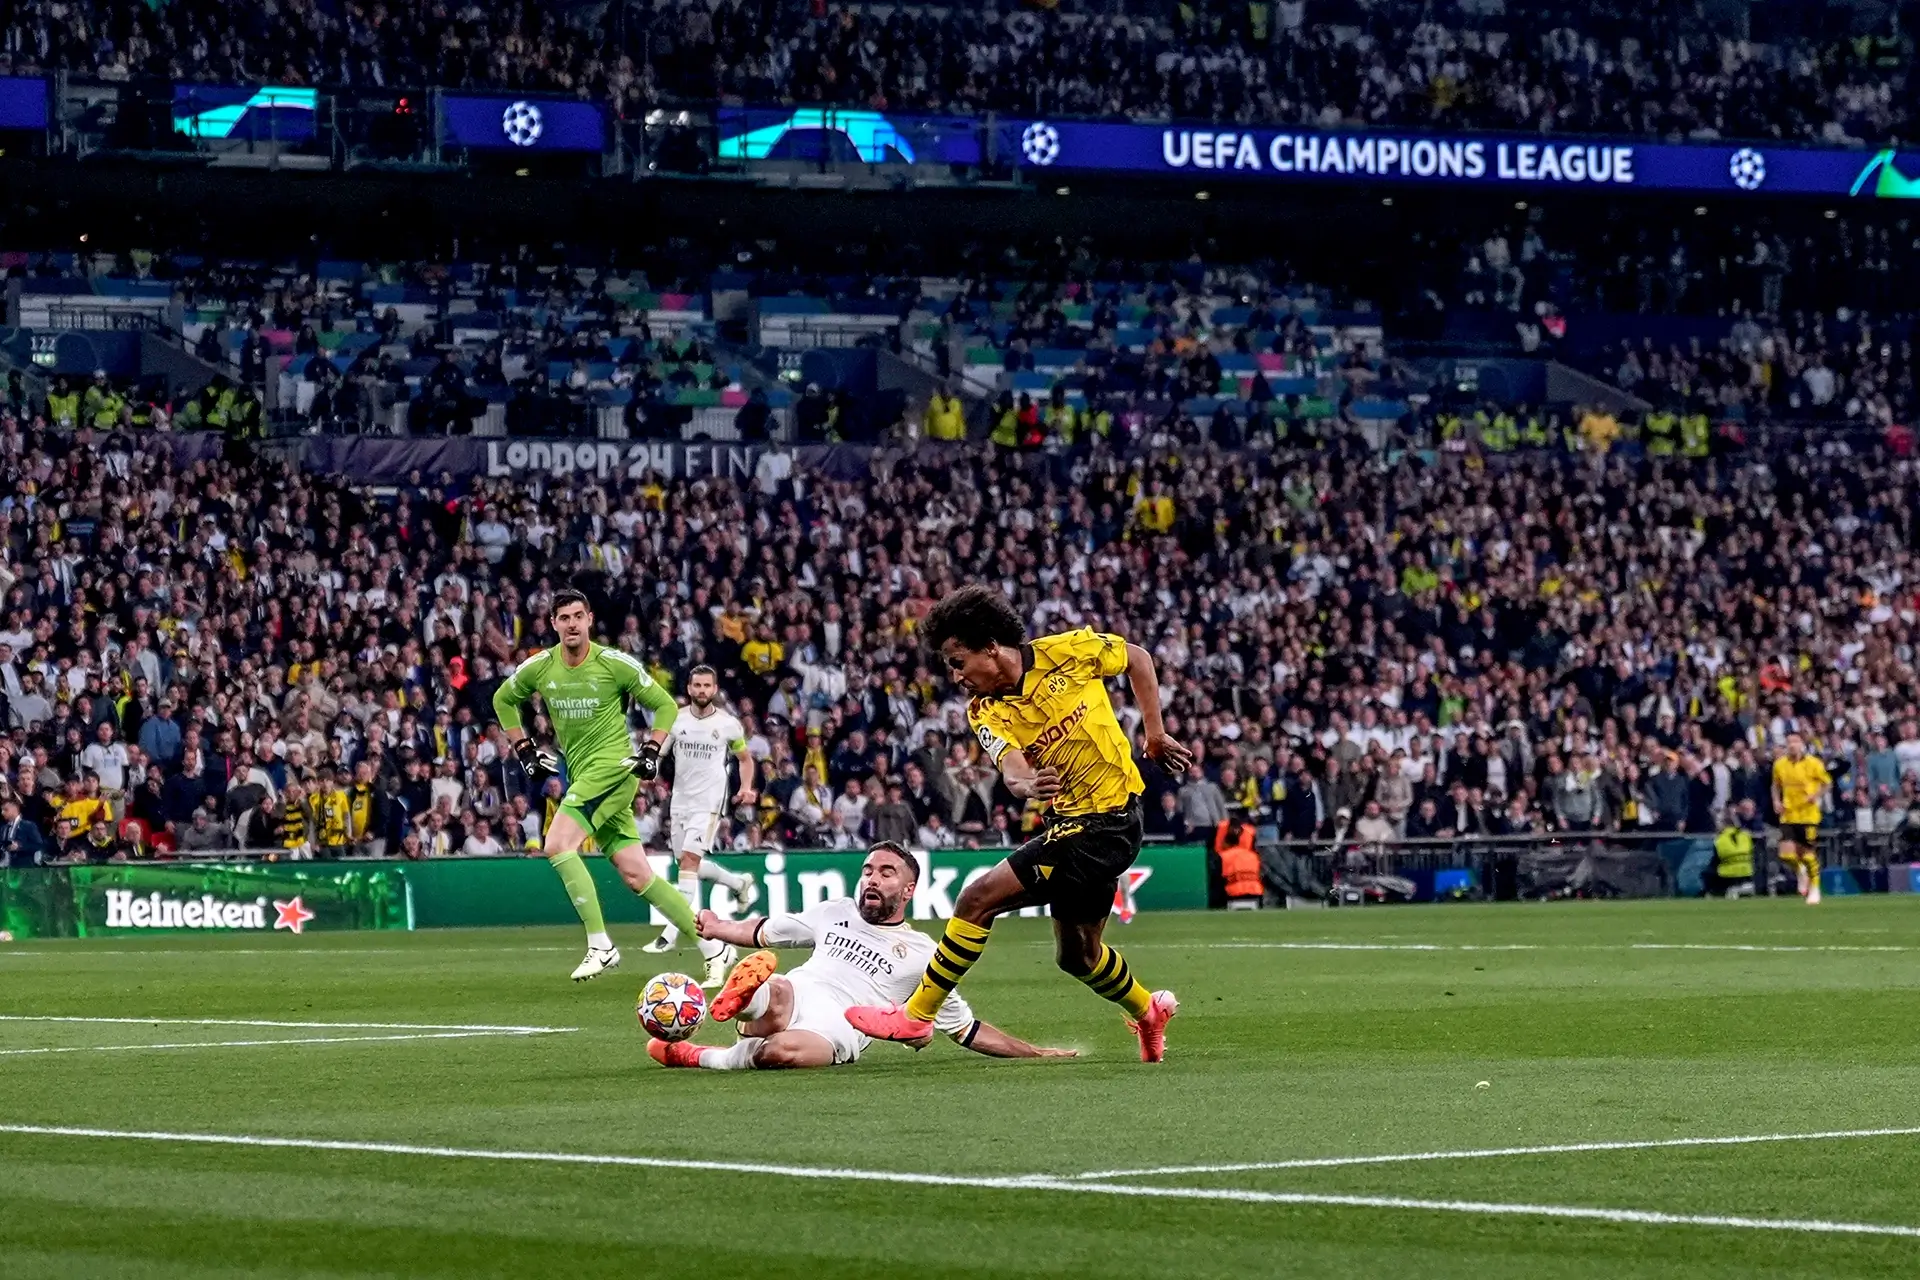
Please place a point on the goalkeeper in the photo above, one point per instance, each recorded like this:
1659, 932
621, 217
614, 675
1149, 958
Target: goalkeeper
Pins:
588, 690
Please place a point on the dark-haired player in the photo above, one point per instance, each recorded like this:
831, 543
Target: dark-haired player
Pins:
588, 689
863, 951
1040, 710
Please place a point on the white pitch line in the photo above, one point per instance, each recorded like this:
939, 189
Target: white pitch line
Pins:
1511, 946
84, 952
1748, 946
1348, 946
244, 1044
302, 1026
1642, 1217
1488, 1153
81, 951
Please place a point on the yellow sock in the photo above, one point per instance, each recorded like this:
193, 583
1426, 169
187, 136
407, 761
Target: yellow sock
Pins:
1111, 979
1811, 861
961, 946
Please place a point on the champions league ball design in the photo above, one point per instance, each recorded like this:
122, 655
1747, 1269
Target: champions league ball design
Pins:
671, 1006
1040, 144
1747, 168
521, 123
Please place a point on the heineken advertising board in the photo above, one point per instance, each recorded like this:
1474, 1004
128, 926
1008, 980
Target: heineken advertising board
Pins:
231, 897
292, 897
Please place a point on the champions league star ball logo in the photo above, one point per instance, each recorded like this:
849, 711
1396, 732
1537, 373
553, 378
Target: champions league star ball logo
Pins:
1747, 168
521, 123
1040, 144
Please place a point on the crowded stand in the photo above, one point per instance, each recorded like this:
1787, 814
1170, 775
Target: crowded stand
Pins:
1426, 646
1389, 609
1594, 67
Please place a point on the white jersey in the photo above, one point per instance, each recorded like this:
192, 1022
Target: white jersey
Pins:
861, 963
701, 745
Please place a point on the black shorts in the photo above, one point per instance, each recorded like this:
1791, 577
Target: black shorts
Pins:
1806, 835
1074, 865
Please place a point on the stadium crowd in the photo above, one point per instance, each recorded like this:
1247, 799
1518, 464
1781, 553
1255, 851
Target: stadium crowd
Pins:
1593, 66
1434, 646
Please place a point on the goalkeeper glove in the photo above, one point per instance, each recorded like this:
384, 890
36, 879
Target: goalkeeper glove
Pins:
644, 764
537, 760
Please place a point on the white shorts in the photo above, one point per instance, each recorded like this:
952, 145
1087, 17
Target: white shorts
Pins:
694, 832
819, 1010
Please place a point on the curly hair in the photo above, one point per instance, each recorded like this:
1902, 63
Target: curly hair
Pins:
977, 616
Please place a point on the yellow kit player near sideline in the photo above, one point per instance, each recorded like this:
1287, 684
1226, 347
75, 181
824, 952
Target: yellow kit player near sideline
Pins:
1799, 782
1041, 712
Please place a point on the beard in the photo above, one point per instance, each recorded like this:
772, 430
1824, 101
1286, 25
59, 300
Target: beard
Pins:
877, 908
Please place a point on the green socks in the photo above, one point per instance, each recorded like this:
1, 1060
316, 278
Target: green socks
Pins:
586, 900
579, 882
673, 905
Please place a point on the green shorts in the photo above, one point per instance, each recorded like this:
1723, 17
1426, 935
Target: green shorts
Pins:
604, 806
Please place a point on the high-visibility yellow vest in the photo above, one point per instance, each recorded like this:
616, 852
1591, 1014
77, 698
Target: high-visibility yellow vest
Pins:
1006, 429
1661, 428
1733, 851
1694, 433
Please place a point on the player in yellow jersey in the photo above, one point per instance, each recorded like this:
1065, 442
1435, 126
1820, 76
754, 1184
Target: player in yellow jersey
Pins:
1041, 712
1799, 780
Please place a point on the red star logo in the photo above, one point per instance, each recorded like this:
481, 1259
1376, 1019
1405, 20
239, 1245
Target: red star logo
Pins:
291, 915
1123, 896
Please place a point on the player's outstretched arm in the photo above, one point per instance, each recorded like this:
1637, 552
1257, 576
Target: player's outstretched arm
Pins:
1173, 756
756, 931
739, 933
985, 1038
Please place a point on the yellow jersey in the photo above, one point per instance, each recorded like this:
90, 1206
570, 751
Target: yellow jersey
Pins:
1060, 716
360, 810
332, 817
1800, 784
1155, 513
763, 657
84, 812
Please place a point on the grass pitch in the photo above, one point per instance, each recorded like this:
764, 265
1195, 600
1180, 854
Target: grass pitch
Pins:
1305, 1040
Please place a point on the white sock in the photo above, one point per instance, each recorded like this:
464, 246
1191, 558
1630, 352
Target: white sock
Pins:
711, 947
736, 1057
757, 1007
711, 870
600, 942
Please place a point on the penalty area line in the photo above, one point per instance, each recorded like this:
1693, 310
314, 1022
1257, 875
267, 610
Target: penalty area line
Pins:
250, 1044
82, 951
1639, 1217
1489, 1153
301, 1026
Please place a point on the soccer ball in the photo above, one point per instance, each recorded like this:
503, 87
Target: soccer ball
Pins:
521, 123
1040, 144
1747, 168
672, 1006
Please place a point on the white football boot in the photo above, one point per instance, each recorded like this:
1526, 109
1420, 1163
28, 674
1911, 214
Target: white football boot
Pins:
598, 961
717, 966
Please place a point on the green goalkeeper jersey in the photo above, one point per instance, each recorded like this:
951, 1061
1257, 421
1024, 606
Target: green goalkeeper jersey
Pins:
588, 706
